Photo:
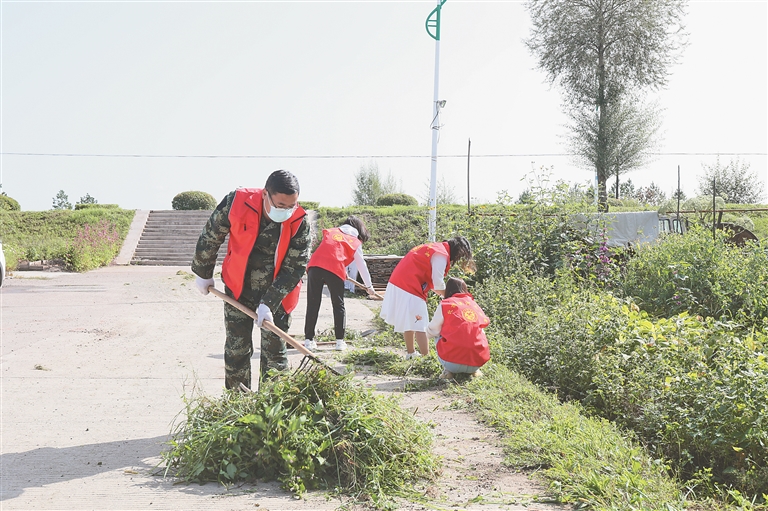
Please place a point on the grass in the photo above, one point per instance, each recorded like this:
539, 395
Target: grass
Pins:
84, 239
587, 462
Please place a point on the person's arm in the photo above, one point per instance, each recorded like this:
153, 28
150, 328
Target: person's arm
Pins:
213, 235
439, 263
293, 268
434, 327
362, 268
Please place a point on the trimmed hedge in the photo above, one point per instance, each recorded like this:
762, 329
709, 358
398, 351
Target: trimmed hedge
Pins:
397, 199
96, 206
307, 205
9, 204
193, 201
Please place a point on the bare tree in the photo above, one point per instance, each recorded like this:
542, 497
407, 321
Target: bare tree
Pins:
598, 51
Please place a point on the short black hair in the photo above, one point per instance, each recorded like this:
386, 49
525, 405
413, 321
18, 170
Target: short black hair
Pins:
362, 233
282, 181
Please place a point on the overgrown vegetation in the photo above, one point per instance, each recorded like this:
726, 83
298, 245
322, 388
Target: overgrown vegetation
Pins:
668, 342
83, 239
308, 430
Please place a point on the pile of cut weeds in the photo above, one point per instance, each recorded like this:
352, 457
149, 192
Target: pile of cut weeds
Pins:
309, 430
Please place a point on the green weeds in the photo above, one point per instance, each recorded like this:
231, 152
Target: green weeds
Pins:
309, 431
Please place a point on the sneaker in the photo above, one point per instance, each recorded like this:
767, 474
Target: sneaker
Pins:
340, 345
415, 354
310, 344
446, 375
477, 374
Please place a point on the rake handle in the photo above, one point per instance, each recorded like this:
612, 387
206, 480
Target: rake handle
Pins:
377, 295
266, 324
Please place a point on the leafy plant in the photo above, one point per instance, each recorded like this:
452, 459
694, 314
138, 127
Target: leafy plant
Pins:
701, 275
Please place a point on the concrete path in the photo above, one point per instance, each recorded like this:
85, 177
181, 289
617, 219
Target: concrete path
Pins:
93, 368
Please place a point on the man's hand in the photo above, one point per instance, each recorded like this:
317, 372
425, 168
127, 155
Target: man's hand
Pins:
203, 284
371, 292
263, 313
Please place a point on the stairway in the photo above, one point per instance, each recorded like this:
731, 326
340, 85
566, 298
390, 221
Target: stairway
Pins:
169, 238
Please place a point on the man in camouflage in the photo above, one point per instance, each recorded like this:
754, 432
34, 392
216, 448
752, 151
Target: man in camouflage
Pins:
269, 246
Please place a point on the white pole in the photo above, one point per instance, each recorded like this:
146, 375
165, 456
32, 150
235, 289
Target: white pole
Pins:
435, 133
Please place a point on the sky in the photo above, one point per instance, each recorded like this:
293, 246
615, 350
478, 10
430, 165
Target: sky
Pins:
156, 98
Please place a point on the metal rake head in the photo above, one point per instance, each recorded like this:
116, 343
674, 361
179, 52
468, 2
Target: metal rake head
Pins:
311, 365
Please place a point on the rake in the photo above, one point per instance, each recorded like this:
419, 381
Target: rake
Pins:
306, 363
377, 295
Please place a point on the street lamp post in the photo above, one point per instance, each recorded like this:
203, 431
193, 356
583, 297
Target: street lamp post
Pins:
433, 22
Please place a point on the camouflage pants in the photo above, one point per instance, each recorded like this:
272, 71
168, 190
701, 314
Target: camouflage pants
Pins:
238, 347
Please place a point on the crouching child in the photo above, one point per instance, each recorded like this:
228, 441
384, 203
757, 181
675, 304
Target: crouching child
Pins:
458, 325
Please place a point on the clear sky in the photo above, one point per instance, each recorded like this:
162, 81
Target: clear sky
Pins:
215, 95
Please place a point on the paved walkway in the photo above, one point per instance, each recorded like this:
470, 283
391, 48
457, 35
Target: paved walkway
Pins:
93, 368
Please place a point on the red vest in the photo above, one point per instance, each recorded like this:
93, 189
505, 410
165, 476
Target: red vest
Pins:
335, 252
245, 219
462, 340
414, 271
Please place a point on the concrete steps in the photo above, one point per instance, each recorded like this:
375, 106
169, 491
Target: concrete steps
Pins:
169, 238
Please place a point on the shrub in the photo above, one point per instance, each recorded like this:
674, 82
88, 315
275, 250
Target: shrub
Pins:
397, 199
80, 206
702, 275
309, 205
8, 203
695, 392
193, 201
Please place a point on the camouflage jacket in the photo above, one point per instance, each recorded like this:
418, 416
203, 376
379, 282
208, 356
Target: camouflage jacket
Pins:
261, 263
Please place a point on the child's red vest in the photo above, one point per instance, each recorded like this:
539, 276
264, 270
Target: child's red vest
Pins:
245, 219
335, 252
414, 271
462, 340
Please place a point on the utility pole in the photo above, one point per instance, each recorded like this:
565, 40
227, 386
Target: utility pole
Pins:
433, 22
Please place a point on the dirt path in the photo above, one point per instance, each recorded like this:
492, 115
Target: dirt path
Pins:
93, 367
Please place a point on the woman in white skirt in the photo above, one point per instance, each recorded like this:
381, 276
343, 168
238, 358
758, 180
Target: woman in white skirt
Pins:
423, 268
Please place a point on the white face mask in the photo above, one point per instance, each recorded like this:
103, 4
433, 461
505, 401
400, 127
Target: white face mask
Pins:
279, 215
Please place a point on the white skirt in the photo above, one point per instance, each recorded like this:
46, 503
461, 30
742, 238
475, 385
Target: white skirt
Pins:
401, 309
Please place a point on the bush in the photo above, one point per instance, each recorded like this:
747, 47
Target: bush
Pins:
307, 205
694, 273
695, 392
80, 206
193, 201
8, 203
397, 199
